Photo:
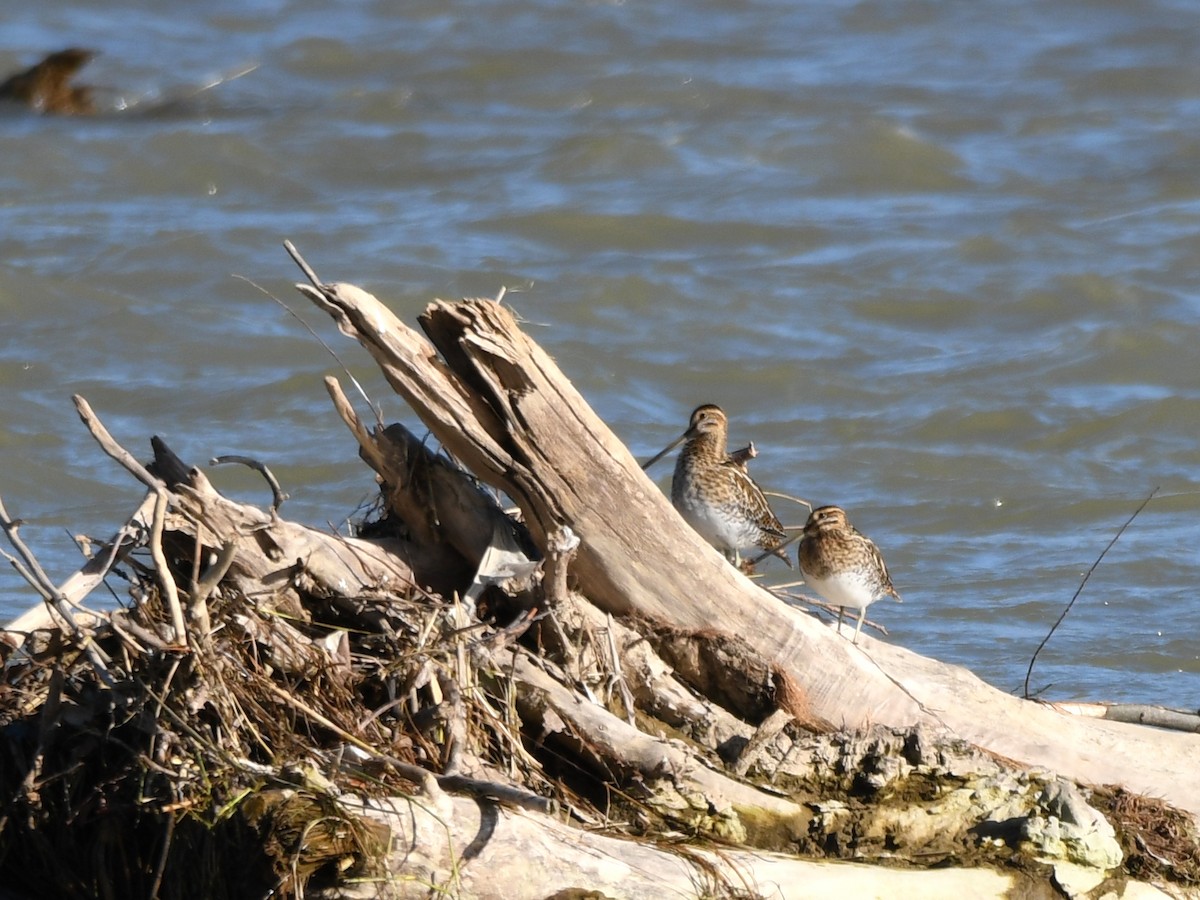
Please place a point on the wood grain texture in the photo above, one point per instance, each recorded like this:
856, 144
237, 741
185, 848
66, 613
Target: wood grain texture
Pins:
500, 404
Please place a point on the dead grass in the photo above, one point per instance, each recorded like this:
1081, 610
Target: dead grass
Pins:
194, 765
1159, 841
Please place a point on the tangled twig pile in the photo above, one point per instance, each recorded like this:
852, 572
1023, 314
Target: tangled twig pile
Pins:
131, 738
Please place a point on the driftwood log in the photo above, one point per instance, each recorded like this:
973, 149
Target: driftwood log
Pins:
582, 698
499, 403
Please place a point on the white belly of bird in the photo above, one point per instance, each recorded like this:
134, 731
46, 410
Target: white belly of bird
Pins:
724, 532
849, 590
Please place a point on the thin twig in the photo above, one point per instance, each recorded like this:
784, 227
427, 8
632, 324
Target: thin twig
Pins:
277, 494
1079, 590
341, 403
165, 579
455, 723
618, 675
112, 448
775, 552
31, 570
312, 276
126, 636
132, 534
161, 866
201, 588
800, 501
79, 585
303, 264
430, 782
97, 657
204, 587
483, 648
29, 577
793, 599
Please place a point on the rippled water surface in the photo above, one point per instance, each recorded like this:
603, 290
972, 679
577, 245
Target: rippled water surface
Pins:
938, 261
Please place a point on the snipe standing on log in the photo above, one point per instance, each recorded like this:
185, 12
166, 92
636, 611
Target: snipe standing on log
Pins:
842, 564
714, 493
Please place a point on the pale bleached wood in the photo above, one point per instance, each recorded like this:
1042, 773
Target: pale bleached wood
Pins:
276, 557
500, 404
620, 744
76, 588
457, 847
1139, 713
437, 500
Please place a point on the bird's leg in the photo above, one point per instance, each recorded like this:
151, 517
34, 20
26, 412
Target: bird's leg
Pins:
862, 614
841, 612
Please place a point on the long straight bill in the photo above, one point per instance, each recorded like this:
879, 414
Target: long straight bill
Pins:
664, 451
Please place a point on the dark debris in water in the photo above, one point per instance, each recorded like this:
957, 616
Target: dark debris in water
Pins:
46, 86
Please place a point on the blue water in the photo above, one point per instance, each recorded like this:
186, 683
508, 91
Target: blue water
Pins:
936, 260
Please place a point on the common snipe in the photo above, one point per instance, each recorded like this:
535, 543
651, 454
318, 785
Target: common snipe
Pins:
842, 564
715, 494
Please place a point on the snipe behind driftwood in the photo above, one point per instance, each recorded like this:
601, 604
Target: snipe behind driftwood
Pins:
715, 494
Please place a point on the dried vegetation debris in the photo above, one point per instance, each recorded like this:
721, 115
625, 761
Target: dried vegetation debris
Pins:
1159, 841
182, 734
188, 738
264, 683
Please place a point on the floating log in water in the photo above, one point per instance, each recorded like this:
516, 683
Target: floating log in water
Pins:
46, 86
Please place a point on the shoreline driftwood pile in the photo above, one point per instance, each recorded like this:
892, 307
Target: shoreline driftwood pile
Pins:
581, 697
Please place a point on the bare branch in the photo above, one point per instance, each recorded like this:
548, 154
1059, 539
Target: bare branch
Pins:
277, 494
1079, 590
165, 580
112, 448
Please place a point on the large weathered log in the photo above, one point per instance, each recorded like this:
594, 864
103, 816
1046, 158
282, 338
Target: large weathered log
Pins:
460, 848
499, 403
464, 535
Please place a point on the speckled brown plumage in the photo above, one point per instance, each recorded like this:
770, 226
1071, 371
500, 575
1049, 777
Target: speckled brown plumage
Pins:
842, 564
716, 495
